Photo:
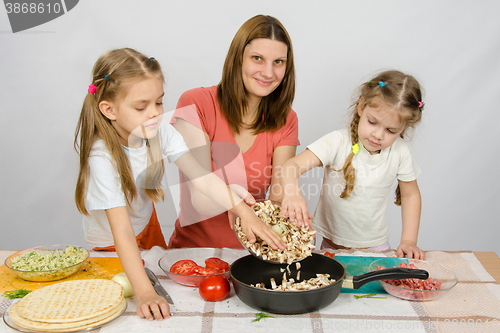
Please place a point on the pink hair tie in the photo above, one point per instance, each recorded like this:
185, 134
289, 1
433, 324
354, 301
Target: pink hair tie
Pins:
420, 104
92, 88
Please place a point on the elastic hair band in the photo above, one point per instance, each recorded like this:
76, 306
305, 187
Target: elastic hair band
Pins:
152, 58
355, 149
420, 104
381, 84
106, 77
92, 88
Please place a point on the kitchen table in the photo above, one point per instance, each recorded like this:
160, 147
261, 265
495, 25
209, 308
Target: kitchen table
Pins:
471, 306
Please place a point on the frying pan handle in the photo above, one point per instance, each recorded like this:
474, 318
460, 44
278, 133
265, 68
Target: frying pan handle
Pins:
389, 274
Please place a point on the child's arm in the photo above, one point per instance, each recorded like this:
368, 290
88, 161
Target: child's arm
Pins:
213, 187
126, 247
294, 203
411, 205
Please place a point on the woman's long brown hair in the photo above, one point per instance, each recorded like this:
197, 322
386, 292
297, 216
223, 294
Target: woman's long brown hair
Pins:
400, 91
112, 74
274, 108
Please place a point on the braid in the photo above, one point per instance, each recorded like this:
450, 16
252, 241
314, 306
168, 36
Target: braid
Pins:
348, 169
398, 196
398, 90
354, 128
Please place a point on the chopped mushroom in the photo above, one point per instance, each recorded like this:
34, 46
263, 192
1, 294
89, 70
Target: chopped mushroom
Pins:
299, 240
273, 284
321, 280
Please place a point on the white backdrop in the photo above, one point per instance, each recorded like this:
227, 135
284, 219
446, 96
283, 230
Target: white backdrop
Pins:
451, 46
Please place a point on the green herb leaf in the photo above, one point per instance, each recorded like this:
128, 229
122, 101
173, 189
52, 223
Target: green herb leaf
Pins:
261, 315
369, 296
20, 293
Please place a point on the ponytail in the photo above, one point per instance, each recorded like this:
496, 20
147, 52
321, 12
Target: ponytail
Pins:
92, 125
110, 72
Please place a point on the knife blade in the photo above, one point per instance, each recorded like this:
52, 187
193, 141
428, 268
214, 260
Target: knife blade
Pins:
157, 286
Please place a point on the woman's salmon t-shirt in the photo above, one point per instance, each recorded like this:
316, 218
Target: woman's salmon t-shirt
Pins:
251, 169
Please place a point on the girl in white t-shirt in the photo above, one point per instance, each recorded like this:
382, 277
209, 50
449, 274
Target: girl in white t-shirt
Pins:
122, 142
361, 164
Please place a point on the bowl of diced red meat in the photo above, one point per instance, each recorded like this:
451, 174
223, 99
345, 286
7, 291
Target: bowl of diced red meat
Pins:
440, 280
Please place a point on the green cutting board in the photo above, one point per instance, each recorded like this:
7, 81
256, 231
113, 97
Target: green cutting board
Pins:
359, 266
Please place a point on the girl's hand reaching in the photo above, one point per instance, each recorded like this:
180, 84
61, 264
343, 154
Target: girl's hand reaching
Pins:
410, 251
152, 306
149, 304
295, 206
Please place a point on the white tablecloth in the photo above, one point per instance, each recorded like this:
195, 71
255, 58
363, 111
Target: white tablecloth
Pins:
472, 306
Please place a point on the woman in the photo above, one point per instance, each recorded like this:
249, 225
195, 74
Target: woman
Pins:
246, 129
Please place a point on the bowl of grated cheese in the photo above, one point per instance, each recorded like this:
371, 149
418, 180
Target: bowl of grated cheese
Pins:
47, 262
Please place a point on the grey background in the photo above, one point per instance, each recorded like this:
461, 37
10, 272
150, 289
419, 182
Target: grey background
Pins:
451, 47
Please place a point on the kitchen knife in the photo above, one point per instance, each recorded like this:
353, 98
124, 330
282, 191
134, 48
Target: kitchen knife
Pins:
157, 286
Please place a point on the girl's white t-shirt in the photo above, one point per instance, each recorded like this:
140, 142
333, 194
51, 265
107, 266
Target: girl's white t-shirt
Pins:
359, 221
104, 189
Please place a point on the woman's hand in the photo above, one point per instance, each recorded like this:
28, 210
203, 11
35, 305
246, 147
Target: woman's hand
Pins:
253, 226
410, 250
295, 207
152, 306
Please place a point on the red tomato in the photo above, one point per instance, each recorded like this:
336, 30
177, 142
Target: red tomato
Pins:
214, 288
195, 270
218, 264
331, 255
205, 270
183, 267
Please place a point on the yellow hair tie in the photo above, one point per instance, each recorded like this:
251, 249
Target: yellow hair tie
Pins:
355, 148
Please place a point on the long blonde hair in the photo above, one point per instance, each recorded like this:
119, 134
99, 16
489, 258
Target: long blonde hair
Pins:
111, 74
398, 90
273, 109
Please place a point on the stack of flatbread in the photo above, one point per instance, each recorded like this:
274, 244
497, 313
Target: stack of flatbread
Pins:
69, 306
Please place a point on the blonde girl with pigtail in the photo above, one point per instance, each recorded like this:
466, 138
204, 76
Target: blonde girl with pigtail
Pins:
361, 164
122, 143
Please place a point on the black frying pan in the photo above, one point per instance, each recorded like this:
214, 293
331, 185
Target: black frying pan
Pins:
251, 270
